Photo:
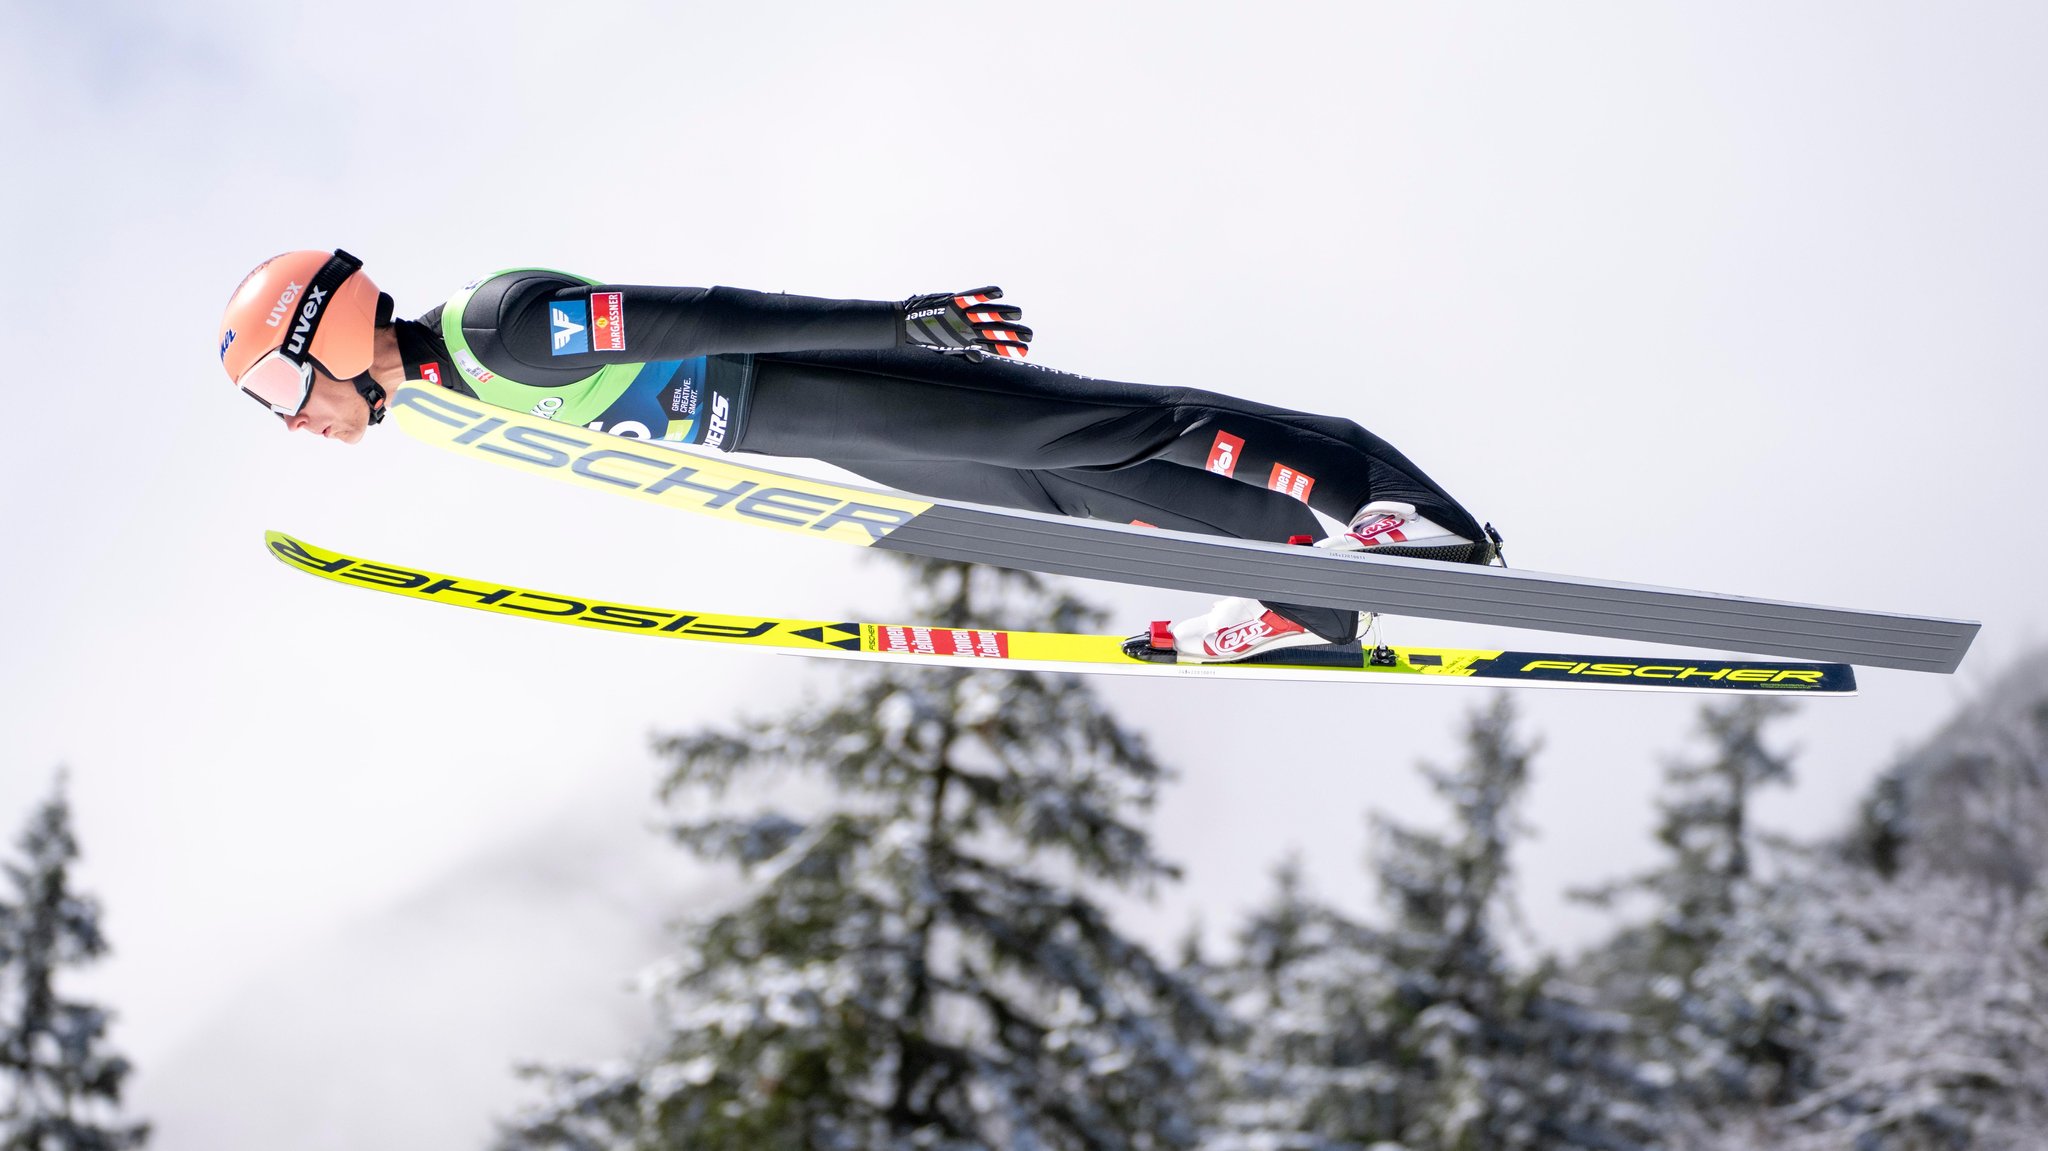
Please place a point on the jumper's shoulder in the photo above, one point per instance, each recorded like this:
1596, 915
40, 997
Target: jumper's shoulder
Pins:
496, 300
504, 325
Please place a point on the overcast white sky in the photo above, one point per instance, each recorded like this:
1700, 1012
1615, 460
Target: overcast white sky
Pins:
1743, 297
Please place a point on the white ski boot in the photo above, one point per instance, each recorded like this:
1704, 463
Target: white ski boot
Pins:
1394, 528
1232, 630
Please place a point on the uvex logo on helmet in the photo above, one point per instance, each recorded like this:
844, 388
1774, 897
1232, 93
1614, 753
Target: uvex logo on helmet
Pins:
309, 315
282, 307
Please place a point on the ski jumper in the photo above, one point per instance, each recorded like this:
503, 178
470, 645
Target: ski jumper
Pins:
784, 375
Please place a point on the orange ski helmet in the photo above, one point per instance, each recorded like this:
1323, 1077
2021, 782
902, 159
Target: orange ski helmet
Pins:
298, 311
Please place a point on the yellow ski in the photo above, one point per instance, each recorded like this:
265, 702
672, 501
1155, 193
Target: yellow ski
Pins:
1052, 651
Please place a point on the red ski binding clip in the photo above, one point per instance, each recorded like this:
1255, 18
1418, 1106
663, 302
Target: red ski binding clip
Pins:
1155, 646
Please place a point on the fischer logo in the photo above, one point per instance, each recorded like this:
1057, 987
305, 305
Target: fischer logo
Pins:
704, 485
1766, 674
714, 433
547, 408
309, 314
1223, 454
282, 307
499, 597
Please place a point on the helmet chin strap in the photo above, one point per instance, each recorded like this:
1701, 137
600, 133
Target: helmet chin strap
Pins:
372, 391
373, 395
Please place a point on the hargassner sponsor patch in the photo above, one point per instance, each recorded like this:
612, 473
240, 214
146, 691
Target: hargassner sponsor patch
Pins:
568, 328
607, 322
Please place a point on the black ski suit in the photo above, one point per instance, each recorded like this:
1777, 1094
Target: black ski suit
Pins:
829, 380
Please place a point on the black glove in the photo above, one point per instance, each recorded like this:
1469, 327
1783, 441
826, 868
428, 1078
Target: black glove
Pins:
966, 324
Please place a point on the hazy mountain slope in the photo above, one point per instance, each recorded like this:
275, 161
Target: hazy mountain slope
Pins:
402, 1031
1973, 798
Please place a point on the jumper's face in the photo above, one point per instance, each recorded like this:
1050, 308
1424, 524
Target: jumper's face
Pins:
334, 409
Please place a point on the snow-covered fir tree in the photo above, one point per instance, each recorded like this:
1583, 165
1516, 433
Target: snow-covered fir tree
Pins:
1311, 1066
1721, 1006
1938, 984
1973, 799
1927, 927
61, 1083
1509, 1060
1421, 1032
1704, 825
920, 959
1884, 993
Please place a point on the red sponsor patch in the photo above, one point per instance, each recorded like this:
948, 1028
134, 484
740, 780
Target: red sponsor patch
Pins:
943, 641
431, 372
607, 322
1223, 454
1293, 483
